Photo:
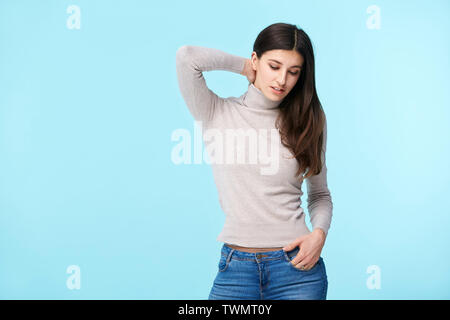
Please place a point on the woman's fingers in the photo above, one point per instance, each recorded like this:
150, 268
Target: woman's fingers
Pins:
302, 266
300, 262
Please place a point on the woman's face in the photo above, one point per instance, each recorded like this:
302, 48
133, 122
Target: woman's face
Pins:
277, 69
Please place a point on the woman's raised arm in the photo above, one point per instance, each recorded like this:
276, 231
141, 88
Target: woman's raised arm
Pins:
191, 61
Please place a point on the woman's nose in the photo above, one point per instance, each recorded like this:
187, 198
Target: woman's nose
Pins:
282, 78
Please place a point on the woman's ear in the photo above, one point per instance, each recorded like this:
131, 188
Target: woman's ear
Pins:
254, 60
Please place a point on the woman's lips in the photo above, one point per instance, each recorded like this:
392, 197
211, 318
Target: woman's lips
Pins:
276, 91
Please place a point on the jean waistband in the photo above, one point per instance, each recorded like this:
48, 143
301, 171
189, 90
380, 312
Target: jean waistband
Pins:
226, 250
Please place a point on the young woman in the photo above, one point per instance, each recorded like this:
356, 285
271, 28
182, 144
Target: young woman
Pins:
268, 251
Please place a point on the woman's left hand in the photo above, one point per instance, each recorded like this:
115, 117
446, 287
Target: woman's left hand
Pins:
310, 248
248, 71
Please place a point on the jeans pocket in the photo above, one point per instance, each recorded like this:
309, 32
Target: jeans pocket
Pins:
289, 256
223, 263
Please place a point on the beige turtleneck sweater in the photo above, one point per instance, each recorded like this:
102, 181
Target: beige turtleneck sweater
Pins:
254, 173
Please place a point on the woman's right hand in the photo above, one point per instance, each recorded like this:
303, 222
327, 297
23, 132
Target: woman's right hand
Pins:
248, 71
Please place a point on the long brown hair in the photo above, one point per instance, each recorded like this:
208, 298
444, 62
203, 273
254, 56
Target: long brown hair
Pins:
301, 120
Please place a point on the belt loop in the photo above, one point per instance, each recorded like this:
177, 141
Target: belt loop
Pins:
229, 255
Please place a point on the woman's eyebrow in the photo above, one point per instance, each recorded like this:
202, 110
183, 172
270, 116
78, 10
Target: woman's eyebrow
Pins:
281, 63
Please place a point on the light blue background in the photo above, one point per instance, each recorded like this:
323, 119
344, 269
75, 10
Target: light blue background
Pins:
86, 118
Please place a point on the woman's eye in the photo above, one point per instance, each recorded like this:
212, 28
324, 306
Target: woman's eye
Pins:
275, 68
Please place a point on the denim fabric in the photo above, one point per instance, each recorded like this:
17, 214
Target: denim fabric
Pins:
267, 276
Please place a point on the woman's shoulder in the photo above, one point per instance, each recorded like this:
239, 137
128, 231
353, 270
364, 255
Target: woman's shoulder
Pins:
235, 100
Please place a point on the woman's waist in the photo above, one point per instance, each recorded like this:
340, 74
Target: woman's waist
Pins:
252, 250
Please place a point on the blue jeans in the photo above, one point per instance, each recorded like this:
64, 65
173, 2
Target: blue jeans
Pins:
267, 276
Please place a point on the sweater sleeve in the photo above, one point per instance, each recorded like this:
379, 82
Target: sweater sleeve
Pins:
191, 61
320, 205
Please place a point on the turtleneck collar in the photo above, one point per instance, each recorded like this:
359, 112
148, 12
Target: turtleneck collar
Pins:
254, 98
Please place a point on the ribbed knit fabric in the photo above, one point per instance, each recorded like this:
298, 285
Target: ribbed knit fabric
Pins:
253, 171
